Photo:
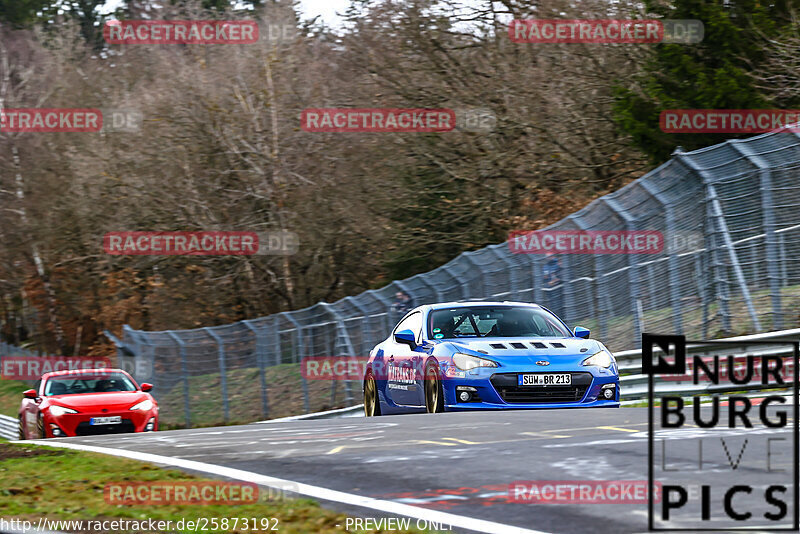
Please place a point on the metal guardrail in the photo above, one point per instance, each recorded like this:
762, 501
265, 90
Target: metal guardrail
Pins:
9, 427
633, 385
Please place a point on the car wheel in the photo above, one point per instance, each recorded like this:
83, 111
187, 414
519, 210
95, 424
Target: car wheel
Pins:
40, 427
372, 408
434, 398
21, 431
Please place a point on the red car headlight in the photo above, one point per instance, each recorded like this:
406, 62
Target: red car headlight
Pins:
58, 411
145, 405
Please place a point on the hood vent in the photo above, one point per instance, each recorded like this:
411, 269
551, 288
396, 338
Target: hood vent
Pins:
538, 345
558, 345
497, 345
519, 345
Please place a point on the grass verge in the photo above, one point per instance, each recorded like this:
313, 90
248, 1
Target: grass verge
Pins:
11, 396
62, 484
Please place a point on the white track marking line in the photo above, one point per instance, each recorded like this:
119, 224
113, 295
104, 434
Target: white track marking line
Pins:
465, 522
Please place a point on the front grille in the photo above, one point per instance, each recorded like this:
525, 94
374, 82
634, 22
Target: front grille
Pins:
85, 429
509, 391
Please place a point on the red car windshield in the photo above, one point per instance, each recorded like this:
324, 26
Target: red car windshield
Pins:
88, 383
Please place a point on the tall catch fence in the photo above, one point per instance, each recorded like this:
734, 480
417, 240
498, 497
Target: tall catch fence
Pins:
730, 215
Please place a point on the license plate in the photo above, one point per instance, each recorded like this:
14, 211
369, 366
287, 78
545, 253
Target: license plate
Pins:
545, 379
112, 420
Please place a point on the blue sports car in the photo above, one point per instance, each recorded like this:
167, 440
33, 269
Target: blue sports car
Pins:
487, 355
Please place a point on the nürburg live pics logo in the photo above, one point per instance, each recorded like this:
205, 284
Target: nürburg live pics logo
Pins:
724, 449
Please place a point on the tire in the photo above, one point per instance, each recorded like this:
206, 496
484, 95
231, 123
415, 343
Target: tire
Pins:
21, 430
372, 406
434, 396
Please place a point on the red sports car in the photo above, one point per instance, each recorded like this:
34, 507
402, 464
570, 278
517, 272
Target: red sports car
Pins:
87, 402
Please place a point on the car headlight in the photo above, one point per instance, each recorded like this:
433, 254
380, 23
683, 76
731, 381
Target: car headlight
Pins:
600, 359
465, 362
58, 411
145, 405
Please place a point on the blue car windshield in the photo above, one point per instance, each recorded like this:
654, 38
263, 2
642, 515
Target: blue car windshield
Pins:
494, 321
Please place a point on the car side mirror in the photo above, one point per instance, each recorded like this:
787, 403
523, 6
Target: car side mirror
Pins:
406, 337
581, 332
30, 394
146, 386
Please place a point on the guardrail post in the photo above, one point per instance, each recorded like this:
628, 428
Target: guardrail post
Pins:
299, 352
260, 359
223, 376
187, 411
768, 210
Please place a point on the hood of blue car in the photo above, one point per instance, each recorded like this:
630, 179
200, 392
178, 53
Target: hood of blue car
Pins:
529, 350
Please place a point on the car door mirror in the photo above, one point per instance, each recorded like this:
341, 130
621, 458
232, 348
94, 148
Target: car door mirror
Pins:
406, 337
581, 332
30, 394
147, 387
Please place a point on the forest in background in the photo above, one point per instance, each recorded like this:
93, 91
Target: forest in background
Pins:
220, 145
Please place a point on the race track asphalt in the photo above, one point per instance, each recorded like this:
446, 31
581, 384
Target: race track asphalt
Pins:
463, 463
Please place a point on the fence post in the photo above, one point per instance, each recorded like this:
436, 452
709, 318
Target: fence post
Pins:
184, 377
482, 294
260, 359
701, 289
388, 307
767, 207
595, 258
714, 209
673, 272
343, 336
300, 350
633, 271
223, 376
464, 288
433, 288
513, 286
536, 278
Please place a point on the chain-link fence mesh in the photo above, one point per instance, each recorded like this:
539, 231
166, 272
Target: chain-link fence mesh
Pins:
730, 215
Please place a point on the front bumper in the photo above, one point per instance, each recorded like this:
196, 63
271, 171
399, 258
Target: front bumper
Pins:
493, 389
78, 424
